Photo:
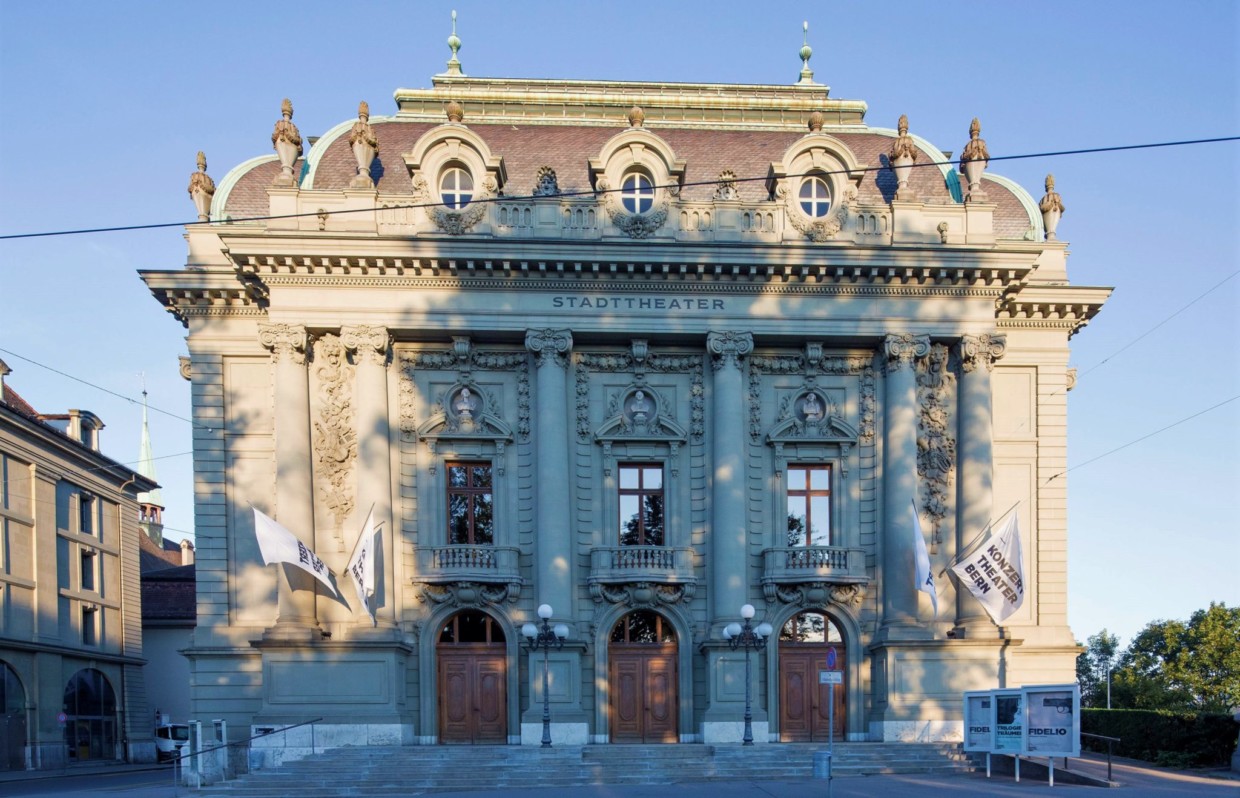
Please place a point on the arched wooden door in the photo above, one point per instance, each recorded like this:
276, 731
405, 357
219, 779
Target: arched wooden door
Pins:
90, 707
805, 645
642, 675
472, 669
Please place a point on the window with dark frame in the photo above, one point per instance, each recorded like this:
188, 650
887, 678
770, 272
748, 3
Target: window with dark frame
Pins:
809, 505
636, 193
471, 520
88, 569
641, 505
86, 513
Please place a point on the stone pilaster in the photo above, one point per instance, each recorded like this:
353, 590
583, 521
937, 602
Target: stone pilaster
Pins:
370, 348
294, 499
975, 472
729, 585
552, 509
900, 595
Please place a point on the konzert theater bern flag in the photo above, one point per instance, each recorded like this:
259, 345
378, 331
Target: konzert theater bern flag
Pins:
277, 544
995, 573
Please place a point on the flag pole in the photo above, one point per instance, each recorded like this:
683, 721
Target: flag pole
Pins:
970, 547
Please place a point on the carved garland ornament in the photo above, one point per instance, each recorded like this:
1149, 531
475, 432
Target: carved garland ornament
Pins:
797, 364
624, 362
936, 446
817, 594
335, 439
633, 225
817, 230
450, 359
469, 594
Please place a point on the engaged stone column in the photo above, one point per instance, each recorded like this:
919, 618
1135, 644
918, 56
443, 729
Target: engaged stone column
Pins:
976, 469
294, 500
552, 513
728, 553
900, 482
370, 346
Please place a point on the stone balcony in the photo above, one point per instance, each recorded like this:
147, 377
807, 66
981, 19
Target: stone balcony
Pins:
795, 565
484, 564
613, 565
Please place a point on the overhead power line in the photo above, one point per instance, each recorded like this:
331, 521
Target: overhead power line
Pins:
591, 192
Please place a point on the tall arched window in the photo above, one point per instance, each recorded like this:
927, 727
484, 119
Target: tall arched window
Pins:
90, 704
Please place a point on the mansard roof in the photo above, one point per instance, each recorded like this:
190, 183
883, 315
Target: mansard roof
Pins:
520, 122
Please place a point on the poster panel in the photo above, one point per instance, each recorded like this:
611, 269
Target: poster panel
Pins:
1007, 721
977, 720
1052, 720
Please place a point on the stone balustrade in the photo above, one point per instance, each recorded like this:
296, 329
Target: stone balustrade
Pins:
617, 564
440, 564
800, 564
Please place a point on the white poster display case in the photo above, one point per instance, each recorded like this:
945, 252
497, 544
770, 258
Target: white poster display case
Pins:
977, 725
1052, 716
1007, 721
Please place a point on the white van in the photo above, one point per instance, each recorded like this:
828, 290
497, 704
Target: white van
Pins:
170, 739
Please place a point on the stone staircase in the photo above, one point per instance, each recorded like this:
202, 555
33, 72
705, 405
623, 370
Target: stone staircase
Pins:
413, 770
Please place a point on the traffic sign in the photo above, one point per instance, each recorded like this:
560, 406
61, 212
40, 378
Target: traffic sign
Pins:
831, 657
830, 677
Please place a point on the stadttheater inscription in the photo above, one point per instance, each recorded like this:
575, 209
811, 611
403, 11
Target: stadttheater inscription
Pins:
600, 303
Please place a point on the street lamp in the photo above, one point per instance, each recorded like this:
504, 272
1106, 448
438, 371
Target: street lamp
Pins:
545, 636
753, 639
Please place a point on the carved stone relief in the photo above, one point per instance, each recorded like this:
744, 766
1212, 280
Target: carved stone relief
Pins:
469, 594
335, 437
464, 364
639, 362
818, 595
817, 230
812, 363
936, 446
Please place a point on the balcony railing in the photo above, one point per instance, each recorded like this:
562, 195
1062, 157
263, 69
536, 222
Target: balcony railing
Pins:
617, 564
439, 564
798, 564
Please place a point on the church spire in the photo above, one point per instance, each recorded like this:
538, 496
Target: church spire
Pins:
150, 503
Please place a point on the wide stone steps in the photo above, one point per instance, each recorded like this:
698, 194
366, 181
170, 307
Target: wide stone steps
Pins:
420, 769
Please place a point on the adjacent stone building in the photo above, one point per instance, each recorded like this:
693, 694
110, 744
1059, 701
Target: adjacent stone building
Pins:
71, 679
645, 353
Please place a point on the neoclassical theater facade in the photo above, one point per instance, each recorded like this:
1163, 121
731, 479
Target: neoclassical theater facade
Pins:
641, 352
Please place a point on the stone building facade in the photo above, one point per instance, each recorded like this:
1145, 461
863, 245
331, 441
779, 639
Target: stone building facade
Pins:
645, 353
71, 675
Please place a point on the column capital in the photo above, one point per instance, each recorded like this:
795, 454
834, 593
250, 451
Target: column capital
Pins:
284, 340
548, 345
368, 343
729, 347
903, 348
981, 350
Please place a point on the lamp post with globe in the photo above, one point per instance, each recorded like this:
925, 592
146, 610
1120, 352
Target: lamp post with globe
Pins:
752, 639
544, 636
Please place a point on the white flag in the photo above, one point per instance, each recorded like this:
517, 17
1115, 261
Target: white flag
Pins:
995, 574
925, 580
277, 544
362, 563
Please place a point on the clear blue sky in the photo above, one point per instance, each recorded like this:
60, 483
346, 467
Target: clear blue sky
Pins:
103, 107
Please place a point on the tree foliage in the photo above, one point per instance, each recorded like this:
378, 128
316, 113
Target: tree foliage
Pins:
1093, 666
1179, 666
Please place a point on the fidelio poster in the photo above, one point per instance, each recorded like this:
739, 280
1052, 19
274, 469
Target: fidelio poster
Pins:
1007, 721
977, 720
1052, 720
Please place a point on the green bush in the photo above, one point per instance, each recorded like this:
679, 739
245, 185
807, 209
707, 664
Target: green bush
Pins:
1171, 739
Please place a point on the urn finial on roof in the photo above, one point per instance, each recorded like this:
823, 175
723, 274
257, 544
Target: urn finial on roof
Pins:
365, 145
454, 44
286, 140
816, 120
807, 74
455, 112
636, 116
201, 188
1052, 208
973, 161
902, 155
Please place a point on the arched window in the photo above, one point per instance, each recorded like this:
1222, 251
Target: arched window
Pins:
471, 626
643, 626
90, 704
815, 196
810, 627
636, 193
456, 187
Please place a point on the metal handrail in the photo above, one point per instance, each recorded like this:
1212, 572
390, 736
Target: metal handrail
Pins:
1109, 740
177, 760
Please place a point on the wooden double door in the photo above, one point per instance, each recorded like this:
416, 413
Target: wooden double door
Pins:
804, 704
473, 693
643, 703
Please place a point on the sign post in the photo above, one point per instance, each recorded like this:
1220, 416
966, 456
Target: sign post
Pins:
830, 677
